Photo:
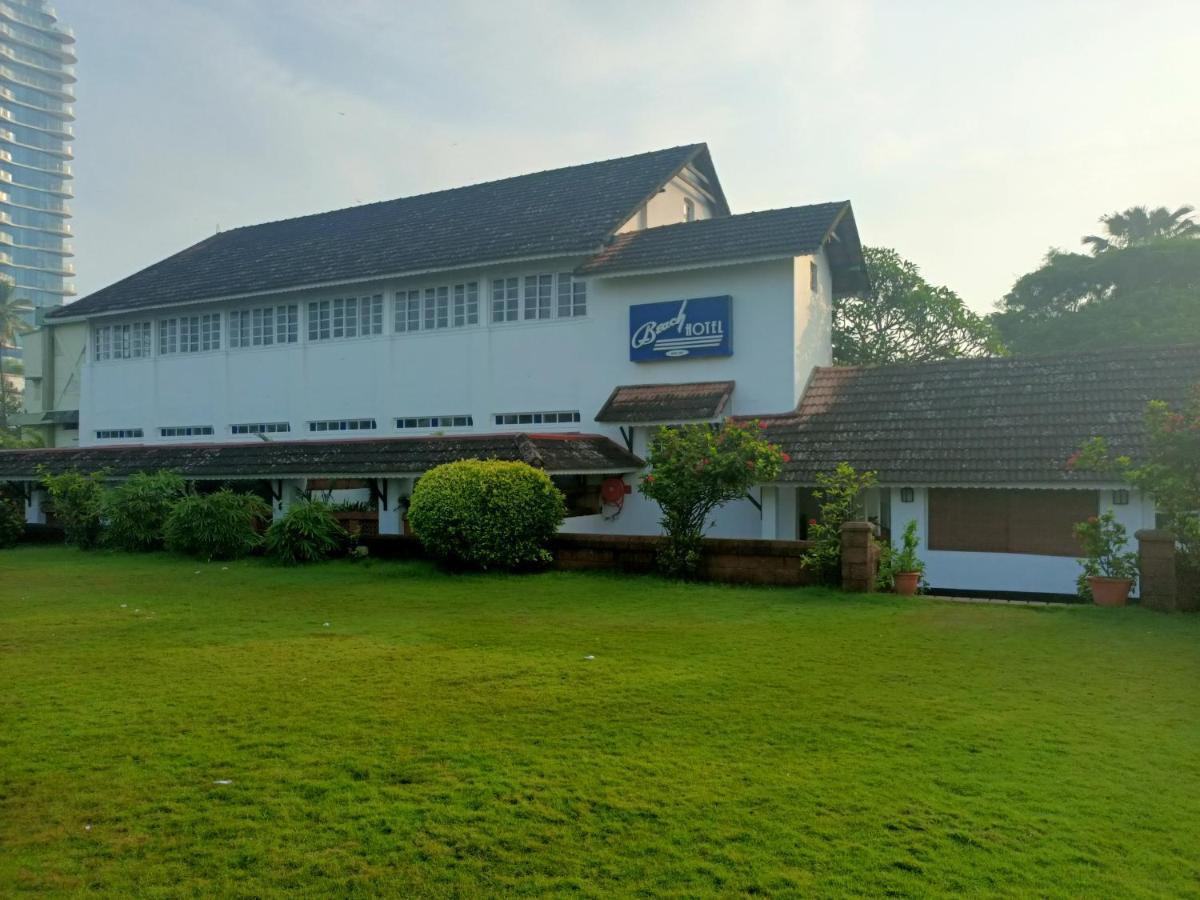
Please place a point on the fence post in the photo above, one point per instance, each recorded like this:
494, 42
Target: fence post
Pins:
1159, 582
860, 557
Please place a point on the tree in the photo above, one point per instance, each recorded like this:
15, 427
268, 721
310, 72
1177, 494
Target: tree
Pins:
904, 318
1139, 225
1144, 294
695, 469
12, 324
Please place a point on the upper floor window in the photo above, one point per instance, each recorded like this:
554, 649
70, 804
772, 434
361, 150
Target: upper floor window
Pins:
264, 326
689, 209
189, 334
345, 317
558, 417
185, 430
543, 296
116, 434
260, 428
435, 422
130, 341
342, 425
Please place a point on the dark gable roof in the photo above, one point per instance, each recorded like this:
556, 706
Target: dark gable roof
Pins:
365, 458
666, 403
757, 235
562, 211
979, 421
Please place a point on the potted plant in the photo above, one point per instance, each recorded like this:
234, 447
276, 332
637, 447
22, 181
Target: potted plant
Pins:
1109, 572
907, 568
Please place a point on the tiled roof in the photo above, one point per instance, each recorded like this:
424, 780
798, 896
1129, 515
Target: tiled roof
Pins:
666, 403
979, 421
556, 453
562, 211
757, 235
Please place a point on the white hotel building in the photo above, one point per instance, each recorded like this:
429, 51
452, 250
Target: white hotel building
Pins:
559, 317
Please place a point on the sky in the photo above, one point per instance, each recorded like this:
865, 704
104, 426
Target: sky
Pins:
970, 136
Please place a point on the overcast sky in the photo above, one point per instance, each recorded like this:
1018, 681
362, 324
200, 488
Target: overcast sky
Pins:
970, 136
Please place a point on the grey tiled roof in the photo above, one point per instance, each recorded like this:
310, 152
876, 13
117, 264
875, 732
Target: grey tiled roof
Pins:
757, 235
666, 403
562, 211
979, 421
556, 453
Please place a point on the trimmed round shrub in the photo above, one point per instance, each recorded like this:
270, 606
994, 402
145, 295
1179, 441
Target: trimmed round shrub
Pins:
12, 523
137, 510
308, 532
215, 526
486, 513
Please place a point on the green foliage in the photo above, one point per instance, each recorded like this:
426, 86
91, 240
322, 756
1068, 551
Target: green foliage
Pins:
486, 513
904, 318
1140, 295
136, 511
1104, 540
1140, 225
905, 559
694, 470
840, 496
222, 525
77, 501
1169, 473
12, 522
308, 532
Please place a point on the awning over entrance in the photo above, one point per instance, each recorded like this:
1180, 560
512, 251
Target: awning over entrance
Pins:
67, 417
557, 454
666, 404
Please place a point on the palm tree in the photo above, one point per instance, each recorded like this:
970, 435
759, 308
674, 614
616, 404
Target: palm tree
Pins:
12, 324
1141, 225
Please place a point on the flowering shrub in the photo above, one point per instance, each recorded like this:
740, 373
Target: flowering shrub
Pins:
840, 495
1170, 472
695, 469
1103, 539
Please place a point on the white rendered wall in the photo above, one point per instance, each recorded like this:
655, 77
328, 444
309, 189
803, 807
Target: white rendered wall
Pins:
956, 570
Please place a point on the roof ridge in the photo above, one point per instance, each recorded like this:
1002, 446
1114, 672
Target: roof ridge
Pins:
1031, 358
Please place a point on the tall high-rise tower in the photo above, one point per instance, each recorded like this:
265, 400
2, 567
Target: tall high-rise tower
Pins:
36, 78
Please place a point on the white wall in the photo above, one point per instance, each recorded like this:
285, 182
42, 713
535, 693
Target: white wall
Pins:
953, 570
667, 207
567, 364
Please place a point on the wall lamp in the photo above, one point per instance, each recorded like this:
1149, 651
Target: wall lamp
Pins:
906, 495
1120, 498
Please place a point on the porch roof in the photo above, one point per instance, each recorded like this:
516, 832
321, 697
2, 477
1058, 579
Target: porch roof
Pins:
557, 454
666, 403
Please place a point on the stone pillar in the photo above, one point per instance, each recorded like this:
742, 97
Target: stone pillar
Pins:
35, 507
1159, 582
391, 512
290, 490
860, 557
768, 497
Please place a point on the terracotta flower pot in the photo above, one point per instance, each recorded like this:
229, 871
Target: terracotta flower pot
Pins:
907, 582
1109, 591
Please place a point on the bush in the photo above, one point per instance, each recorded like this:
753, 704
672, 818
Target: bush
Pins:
77, 501
695, 470
12, 522
892, 562
215, 526
136, 511
308, 532
840, 494
486, 513
1104, 540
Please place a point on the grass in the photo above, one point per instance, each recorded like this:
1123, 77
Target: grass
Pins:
386, 729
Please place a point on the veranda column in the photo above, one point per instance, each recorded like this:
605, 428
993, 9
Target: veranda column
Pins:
289, 491
35, 507
770, 503
391, 511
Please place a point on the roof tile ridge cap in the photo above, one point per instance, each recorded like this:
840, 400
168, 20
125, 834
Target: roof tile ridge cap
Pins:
528, 451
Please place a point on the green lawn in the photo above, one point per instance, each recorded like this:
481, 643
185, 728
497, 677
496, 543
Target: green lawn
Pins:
390, 730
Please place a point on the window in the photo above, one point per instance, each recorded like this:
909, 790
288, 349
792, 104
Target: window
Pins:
185, 430
466, 304
435, 422
814, 280
260, 428
116, 434
537, 296
538, 418
437, 308
572, 296
189, 334
342, 425
504, 299
264, 326
345, 317
130, 341
408, 311
1008, 521
689, 209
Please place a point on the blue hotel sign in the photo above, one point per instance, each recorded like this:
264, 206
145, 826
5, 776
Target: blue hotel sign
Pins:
680, 329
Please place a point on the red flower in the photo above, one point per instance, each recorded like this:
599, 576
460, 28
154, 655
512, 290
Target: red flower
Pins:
1073, 459
1093, 519
786, 457
650, 478
761, 424
812, 521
